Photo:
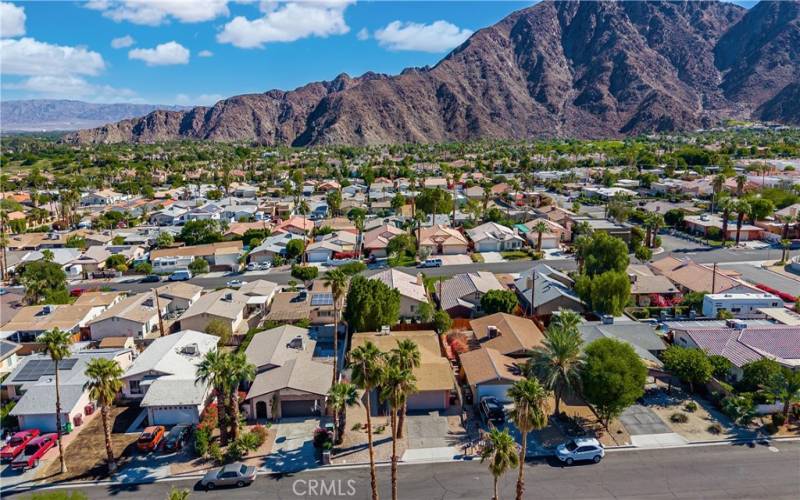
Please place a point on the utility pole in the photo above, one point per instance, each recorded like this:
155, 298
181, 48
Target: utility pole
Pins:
160, 318
714, 279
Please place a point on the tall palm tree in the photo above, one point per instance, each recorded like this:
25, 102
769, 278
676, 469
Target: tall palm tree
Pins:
407, 356
104, 383
341, 396
239, 369
419, 217
501, 452
726, 205
716, 187
337, 281
213, 370
359, 223
397, 384
540, 227
567, 319
657, 222
742, 208
303, 208
365, 362
57, 345
741, 180
558, 361
530, 399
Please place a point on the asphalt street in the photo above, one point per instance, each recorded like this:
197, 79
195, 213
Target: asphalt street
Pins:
724, 471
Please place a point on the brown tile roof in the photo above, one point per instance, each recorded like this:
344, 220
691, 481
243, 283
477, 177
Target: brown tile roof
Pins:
515, 333
197, 250
692, 276
487, 364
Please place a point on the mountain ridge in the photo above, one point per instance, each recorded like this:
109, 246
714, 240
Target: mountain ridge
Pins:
556, 69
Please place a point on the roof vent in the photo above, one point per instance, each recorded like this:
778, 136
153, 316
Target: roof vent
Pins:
228, 297
190, 349
48, 309
492, 331
296, 343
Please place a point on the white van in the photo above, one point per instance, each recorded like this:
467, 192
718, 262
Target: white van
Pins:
181, 275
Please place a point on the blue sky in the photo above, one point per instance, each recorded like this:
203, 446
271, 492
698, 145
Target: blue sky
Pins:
182, 52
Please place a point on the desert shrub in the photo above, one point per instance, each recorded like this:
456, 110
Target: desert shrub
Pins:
321, 436
679, 418
202, 436
715, 428
380, 429
260, 432
691, 406
778, 419
215, 452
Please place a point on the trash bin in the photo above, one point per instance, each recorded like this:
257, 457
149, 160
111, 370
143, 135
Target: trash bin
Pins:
67, 427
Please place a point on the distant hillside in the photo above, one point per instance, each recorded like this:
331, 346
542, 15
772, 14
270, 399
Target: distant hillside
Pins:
558, 69
34, 115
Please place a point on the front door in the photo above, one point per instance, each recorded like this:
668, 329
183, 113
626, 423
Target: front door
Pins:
261, 409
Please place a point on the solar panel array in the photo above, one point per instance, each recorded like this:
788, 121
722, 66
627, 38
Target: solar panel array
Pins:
38, 368
322, 299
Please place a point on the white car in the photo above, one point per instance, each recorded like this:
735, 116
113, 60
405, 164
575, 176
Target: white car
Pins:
580, 449
235, 283
253, 266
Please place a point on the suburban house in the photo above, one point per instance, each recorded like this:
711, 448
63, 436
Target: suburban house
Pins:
648, 288
489, 373
493, 237
180, 294
742, 344
331, 246
31, 321
100, 301
443, 240
434, 375
552, 290
8, 356
296, 225
641, 336
272, 246
164, 378
461, 295
700, 224
289, 307
411, 288
222, 256
690, 276
551, 238
508, 334
230, 307
32, 386
739, 304
260, 293
376, 240
169, 216
136, 316
621, 231
288, 382
102, 197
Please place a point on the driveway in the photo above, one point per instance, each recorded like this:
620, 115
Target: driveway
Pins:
428, 438
294, 445
647, 430
453, 260
492, 257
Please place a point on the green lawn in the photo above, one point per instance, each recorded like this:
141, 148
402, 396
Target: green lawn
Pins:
515, 255
403, 261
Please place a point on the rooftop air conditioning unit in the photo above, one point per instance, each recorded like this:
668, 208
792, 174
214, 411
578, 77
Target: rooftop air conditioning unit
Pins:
190, 349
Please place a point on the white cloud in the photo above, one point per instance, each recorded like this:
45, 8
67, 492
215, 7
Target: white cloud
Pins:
205, 53
287, 22
363, 34
200, 100
72, 87
29, 57
436, 37
122, 42
12, 20
155, 12
162, 55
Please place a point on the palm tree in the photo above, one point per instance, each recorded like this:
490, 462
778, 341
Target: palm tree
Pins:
56, 344
501, 452
528, 414
657, 222
558, 361
419, 217
337, 281
742, 208
213, 370
567, 319
716, 186
176, 494
104, 383
788, 389
341, 396
540, 227
359, 223
408, 357
727, 205
365, 361
397, 384
741, 180
239, 369
303, 208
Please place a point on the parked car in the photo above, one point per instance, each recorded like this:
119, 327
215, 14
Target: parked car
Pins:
492, 410
235, 474
150, 438
17, 443
235, 284
34, 451
580, 449
176, 436
151, 278
108, 273
252, 266
431, 263
77, 292
264, 266
181, 275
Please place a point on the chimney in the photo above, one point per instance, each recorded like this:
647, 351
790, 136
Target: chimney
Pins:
420, 281
632, 277
228, 297
492, 331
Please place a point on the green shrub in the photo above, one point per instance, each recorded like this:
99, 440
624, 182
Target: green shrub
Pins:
215, 452
260, 432
679, 418
691, 407
715, 428
778, 419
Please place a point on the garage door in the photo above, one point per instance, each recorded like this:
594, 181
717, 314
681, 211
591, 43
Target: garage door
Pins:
498, 391
173, 416
427, 400
301, 408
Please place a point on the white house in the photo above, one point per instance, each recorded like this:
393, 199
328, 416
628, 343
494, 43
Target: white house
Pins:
493, 237
164, 377
136, 316
738, 304
411, 288
32, 386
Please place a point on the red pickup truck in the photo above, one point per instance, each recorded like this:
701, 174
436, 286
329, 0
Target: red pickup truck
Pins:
17, 444
34, 451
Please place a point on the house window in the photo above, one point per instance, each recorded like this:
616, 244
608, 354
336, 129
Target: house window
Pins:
135, 388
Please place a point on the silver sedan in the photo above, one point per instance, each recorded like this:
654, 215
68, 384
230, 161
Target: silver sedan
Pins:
235, 474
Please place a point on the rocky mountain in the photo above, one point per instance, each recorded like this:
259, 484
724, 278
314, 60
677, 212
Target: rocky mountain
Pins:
59, 114
567, 69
